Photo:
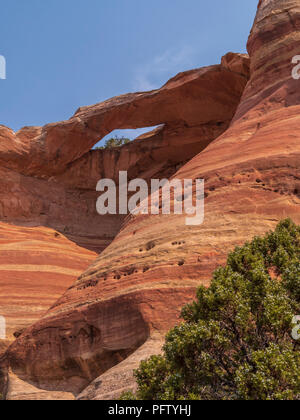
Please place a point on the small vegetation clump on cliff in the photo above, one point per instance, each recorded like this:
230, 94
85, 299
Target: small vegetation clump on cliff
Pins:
114, 142
236, 341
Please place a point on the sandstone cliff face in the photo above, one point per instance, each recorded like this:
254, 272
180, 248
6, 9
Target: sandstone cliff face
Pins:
49, 175
37, 265
48, 178
193, 98
154, 264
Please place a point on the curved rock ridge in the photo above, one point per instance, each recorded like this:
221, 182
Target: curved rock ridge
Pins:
193, 98
49, 174
153, 266
252, 181
48, 178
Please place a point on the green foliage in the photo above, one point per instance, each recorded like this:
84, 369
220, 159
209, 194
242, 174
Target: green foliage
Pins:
127, 396
114, 142
236, 340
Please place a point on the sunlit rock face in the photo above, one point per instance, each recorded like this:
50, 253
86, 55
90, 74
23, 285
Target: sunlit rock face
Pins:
154, 264
50, 178
48, 175
193, 98
37, 265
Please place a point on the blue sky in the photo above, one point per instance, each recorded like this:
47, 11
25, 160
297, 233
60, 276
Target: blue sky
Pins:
62, 54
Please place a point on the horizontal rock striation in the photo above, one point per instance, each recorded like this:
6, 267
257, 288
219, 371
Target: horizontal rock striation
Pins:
37, 265
153, 266
49, 177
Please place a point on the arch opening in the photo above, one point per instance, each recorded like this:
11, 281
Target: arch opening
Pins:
127, 135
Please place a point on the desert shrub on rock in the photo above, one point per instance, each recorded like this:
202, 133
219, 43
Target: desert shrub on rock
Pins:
236, 339
114, 142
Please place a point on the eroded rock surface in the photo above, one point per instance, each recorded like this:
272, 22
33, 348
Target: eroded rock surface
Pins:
120, 378
37, 265
49, 177
133, 292
153, 266
193, 98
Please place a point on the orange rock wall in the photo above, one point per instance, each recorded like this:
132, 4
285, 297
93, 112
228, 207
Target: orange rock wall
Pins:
37, 265
155, 263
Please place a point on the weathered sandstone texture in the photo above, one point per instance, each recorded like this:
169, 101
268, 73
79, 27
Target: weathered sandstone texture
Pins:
37, 265
19, 390
120, 378
194, 98
133, 292
48, 175
49, 178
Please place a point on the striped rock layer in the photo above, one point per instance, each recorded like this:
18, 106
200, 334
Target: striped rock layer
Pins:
48, 175
133, 292
37, 265
48, 178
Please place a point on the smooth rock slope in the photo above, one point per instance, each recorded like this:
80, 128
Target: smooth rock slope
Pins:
192, 109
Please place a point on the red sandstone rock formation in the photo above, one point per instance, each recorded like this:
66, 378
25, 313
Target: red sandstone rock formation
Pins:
191, 99
49, 177
37, 265
135, 289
